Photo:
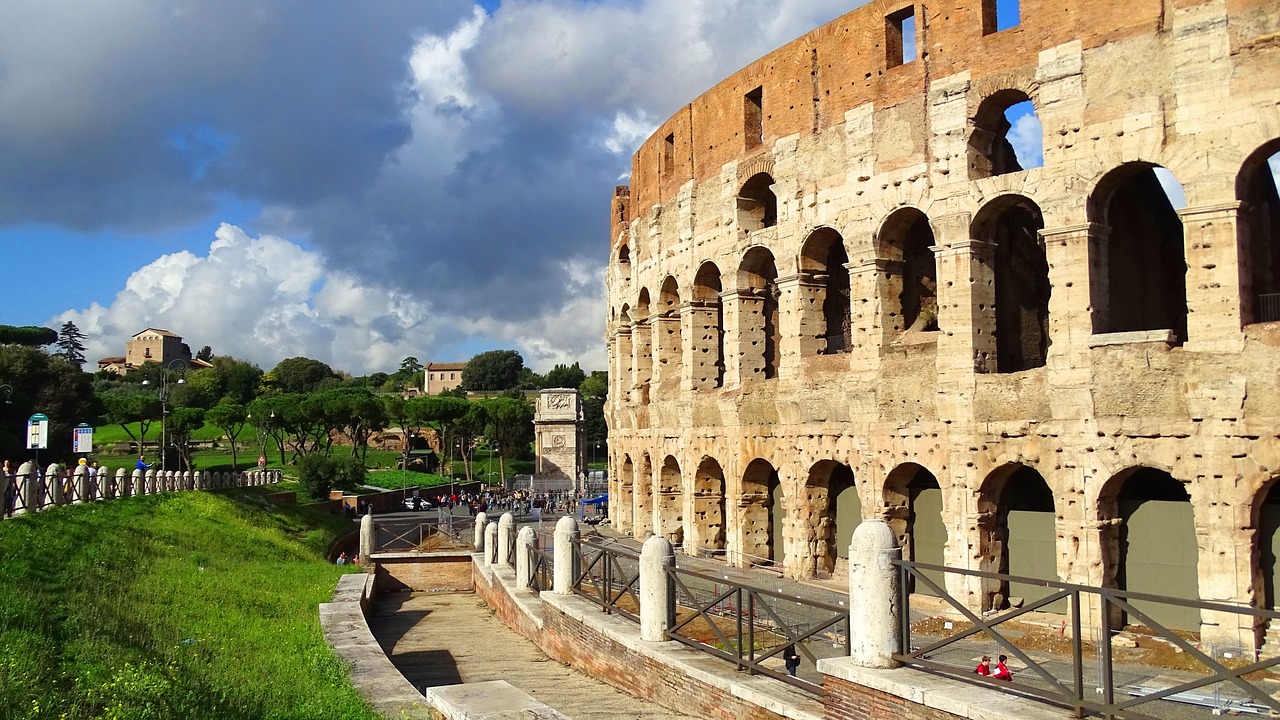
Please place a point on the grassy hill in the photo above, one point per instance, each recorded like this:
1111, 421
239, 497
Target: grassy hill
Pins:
188, 605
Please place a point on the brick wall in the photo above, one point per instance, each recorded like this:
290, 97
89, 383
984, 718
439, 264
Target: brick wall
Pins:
587, 649
843, 700
424, 574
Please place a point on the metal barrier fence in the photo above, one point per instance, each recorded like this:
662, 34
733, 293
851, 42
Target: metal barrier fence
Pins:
1268, 307
609, 576
748, 625
1090, 680
419, 535
540, 568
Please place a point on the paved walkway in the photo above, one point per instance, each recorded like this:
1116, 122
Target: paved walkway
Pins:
439, 639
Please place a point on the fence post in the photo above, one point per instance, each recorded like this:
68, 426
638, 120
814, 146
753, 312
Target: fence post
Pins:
524, 541
481, 519
565, 565
657, 592
366, 543
120, 487
26, 488
874, 614
491, 543
53, 484
506, 526
81, 482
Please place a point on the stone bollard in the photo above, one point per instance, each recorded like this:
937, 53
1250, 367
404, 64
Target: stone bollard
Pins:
53, 485
187, 482
506, 531
119, 484
28, 488
565, 565
524, 541
149, 481
135, 486
491, 543
481, 519
81, 483
366, 543
657, 592
874, 617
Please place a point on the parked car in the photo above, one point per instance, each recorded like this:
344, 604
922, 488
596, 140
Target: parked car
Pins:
417, 503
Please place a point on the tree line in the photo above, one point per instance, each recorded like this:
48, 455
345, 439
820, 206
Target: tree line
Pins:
300, 407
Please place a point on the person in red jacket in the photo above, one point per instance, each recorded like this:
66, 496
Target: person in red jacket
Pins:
1002, 671
984, 666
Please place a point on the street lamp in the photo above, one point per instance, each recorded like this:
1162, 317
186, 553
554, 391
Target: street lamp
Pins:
7, 391
178, 365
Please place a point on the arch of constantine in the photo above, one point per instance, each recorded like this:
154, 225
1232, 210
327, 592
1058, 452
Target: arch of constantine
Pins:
836, 293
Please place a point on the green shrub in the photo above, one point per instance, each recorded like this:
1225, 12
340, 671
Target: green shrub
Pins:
316, 475
349, 473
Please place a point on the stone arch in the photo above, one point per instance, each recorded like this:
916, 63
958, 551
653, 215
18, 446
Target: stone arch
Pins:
643, 499
757, 204
670, 350
623, 257
760, 335
625, 502
909, 280
1265, 556
1142, 269
642, 342
913, 508
670, 502
990, 153
834, 512
709, 515
760, 507
1260, 234
1149, 543
1017, 534
824, 286
708, 328
1016, 259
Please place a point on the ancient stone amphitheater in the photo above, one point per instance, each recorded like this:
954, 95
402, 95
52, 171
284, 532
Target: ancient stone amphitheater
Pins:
835, 293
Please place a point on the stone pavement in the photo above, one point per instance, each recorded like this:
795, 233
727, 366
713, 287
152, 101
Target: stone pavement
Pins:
437, 639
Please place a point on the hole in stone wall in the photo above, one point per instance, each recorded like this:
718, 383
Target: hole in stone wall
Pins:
757, 205
1000, 15
753, 117
900, 37
708, 336
1007, 136
1013, 223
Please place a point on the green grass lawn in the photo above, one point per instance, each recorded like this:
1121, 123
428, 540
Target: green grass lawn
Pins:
185, 605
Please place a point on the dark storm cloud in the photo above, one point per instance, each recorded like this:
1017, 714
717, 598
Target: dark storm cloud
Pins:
138, 114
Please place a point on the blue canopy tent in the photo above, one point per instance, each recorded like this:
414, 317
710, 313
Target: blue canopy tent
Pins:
600, 502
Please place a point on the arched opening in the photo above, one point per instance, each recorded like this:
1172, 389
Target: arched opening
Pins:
670, 347
623, 377
761, 504
760, 335
624, 516
708, 508
1007, 136
913, 501
708, 327
1145, 268
824, 281
835, 510
642, 342
670, 518
1267, 521
1152, 548
1012, 224
1256, 187
909, 284
644, 499
757, 205
1018, 535
624, 261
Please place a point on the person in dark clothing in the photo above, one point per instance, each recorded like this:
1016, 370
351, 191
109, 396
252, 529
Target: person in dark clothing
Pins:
791, 659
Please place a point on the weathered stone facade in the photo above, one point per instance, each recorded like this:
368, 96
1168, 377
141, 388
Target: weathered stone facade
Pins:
557, 428
835, 294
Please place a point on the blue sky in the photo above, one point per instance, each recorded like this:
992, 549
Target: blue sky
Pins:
354, 182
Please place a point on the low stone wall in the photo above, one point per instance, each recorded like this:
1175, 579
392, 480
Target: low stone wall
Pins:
854, 693
575, 632
423, 572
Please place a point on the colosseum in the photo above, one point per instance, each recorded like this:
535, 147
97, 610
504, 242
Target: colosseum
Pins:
839, 291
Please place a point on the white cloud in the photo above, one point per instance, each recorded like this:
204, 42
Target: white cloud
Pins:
629, 130
1027, 138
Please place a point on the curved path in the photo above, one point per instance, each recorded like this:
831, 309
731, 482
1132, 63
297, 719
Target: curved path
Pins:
439, 639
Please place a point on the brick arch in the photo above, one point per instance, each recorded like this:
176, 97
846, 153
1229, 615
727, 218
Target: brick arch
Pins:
914, 505
755, 167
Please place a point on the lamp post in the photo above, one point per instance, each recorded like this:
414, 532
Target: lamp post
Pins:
177, 365
7, 391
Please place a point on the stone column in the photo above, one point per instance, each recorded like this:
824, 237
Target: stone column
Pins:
81, 484
657, 592
1213, 250
799, 335
668, 359
703, 359
491, 544
1077, 263
623, 364
366, 543
506, 528
28, 488
478, 539
524, 541
565, 565
53, 484
875, 620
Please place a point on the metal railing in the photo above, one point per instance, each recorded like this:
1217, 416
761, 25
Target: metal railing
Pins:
417, 535
1062, 681
511, 548
1268, 307
751, 627
609, 576
541, 563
